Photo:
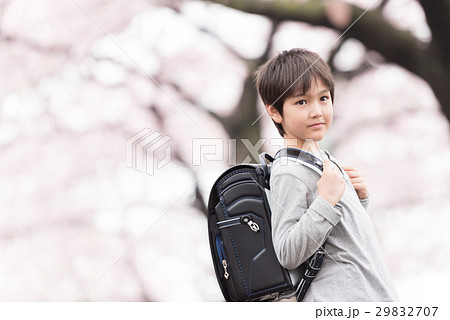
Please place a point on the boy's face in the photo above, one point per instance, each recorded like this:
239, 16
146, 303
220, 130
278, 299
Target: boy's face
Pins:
306, 116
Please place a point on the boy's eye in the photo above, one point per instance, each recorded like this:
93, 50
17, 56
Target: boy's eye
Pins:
301, 102
324, 98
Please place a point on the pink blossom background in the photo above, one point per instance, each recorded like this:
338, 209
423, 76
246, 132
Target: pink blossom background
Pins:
79, 78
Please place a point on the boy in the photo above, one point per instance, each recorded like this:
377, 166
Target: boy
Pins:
297, 88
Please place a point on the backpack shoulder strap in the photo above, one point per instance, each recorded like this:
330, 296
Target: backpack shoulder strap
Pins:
263, 158
304, 157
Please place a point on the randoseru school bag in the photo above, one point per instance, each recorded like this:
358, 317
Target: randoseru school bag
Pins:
239, 231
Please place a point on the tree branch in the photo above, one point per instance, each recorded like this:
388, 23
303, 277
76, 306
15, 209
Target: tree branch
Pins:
397, 46
437, 12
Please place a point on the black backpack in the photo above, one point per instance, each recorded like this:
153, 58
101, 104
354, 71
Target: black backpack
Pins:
239, 229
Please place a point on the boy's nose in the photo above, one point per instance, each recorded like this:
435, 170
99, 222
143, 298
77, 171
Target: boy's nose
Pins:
316, 110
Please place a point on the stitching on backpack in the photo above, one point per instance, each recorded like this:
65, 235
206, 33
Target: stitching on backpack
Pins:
233, 173
234, 184
239, 262
234, 247
264, 247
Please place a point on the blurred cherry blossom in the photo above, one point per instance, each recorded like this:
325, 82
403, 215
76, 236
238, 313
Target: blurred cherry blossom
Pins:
80, 78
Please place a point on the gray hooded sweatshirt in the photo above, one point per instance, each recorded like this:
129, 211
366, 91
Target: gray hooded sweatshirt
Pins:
353, 269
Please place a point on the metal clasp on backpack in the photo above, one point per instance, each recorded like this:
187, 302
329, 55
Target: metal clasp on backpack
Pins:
226, 275
252, 224
246, 219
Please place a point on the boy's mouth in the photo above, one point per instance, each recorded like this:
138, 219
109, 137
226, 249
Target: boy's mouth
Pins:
317, 125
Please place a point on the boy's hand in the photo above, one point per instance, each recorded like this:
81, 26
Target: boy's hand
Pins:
358, 181
331, 185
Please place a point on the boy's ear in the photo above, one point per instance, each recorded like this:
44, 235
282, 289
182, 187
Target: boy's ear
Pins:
274, 113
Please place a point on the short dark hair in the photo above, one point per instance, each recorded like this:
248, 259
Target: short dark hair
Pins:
289, 73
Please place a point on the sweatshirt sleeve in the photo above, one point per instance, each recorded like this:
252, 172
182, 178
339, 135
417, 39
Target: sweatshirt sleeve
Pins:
365, 203
298, 230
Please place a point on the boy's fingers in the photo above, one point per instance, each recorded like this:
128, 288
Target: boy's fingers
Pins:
356, 180
348, 168
353, 174
351, 171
